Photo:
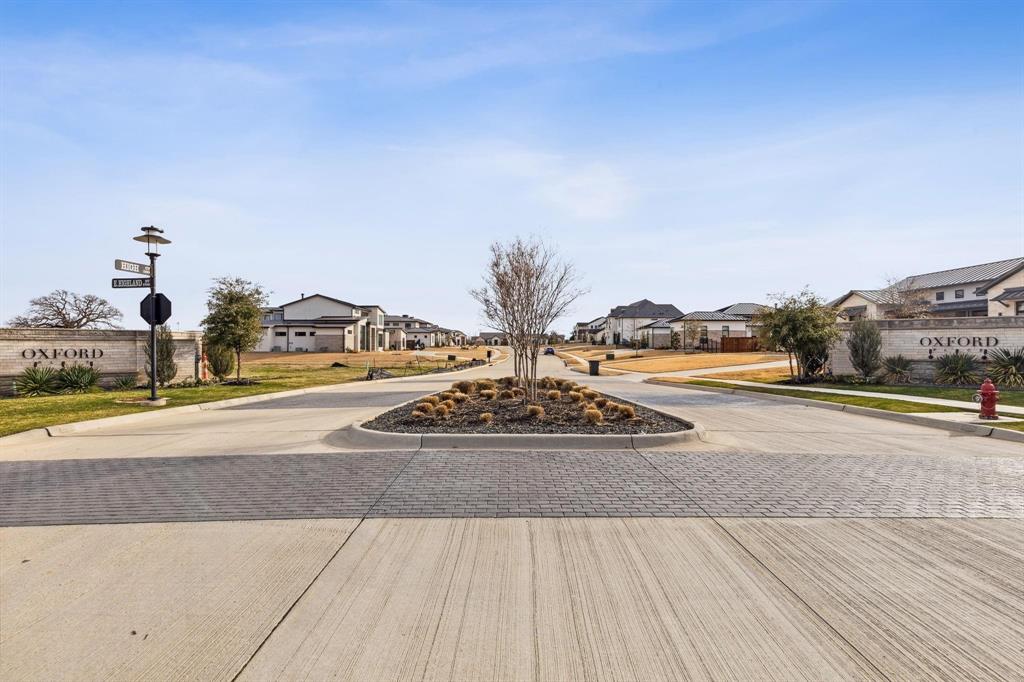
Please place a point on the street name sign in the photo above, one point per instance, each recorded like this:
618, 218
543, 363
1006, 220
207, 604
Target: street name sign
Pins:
131, 282
155, 309
128, 266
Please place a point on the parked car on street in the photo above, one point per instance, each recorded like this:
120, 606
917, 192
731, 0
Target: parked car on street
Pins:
549, 351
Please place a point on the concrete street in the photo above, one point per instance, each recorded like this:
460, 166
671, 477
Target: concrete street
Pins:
247, 542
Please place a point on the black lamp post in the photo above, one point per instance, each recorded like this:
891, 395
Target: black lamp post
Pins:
152, 237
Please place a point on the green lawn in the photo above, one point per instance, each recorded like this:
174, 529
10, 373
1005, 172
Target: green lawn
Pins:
866, 401
1012, 426
1013, 397
22, 414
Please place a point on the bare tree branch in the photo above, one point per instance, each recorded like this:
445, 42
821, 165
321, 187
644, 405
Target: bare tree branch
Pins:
67, 310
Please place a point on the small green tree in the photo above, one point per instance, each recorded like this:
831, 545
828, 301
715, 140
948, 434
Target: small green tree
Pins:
865, 346
674, 340
234, 316
166, 368
803, 326
221, 361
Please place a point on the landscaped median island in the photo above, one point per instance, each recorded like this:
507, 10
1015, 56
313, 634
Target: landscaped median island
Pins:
487, 406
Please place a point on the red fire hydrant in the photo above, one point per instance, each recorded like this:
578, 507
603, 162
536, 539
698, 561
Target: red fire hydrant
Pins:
989, 398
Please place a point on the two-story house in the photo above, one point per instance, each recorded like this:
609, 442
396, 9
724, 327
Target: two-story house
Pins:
322, 323
624, 322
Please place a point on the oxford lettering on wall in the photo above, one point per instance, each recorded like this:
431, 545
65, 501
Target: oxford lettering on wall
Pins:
62, 353
959, 341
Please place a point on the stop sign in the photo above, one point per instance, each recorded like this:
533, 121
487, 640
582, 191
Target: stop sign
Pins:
155, 309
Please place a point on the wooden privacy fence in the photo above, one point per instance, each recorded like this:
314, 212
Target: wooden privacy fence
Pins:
740, 344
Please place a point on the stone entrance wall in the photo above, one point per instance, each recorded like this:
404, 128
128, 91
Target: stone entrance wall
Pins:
115, 353
924, 341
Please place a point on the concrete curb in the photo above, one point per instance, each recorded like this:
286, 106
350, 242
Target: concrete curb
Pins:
980, 430
89, 424
357, 437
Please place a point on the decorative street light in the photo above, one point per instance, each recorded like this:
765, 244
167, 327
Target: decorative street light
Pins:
152, 237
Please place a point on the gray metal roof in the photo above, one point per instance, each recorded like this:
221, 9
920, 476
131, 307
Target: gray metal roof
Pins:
657, 324
645, 308
986, 272
710, 316
744, 309
1011, 294
976, 304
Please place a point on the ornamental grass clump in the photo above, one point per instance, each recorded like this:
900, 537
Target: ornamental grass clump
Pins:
449, 404
126, 383
486, 417
506, 394
425, 408
626, 411
518, 393
611, 407
554, 395
575, 396
535, 411
1006, 366
590, 394
447, 395
600, 403
466, 387
486, 384
460, 397
488, 394
593, 416
35, 381
432, 399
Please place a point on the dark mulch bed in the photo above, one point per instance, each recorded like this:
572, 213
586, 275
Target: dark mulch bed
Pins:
510, 416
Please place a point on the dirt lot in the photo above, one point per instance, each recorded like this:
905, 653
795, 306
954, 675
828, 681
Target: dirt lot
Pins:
670, 361
770, 375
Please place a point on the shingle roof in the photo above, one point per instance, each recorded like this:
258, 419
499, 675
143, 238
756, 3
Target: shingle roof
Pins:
657, 324
985, 272
742, 309
645, 308
709, 316
1010, 294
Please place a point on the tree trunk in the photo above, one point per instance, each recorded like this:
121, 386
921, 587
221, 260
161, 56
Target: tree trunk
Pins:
238, 366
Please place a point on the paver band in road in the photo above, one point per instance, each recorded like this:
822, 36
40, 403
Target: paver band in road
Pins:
333, 400
494, 484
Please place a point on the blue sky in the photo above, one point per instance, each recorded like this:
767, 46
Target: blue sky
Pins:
692, 153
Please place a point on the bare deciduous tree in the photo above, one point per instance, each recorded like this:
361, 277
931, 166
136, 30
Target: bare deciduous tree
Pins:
526, 288
902, 301
68, 310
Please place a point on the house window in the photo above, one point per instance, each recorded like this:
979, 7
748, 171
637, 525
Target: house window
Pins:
704, 333
959, 293
300, 333
1020, 307
280, 333
312, 333
725, 331
940, 295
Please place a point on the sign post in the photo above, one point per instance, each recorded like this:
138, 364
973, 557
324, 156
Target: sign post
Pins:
152, 237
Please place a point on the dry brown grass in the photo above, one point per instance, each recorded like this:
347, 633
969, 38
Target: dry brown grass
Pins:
675, 362
554, 395
441, 410
488, 394
506, 395
535, 411
423, 408
593, 416
460, 397
433, 400
575, 396
768, 376
485, 417
626, 411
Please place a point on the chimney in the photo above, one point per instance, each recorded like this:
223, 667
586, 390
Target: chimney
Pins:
301, 296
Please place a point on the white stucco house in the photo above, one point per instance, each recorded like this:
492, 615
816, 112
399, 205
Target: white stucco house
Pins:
993, 289
322, 323
623, 322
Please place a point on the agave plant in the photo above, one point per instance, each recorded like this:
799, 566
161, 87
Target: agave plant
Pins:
35, 381
77, 378
126, 383
957, 368
1006, 366
896, 369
